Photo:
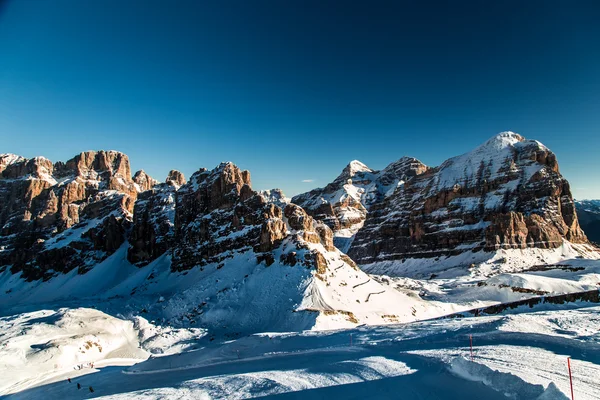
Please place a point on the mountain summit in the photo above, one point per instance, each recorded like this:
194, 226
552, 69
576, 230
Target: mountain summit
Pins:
506, 193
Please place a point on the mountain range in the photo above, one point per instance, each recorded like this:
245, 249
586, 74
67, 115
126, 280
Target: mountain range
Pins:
103, 267
68, 219
69, 216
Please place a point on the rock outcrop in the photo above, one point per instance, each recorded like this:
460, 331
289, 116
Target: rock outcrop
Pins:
344, 203
153, 230
218, 215
56, 217
175, 178
143, 181
507, 193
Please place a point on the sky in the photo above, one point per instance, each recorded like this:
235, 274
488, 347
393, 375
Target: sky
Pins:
294, 90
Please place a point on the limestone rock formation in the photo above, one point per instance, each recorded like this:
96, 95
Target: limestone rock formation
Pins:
218, 215
56, 217
143, 181
343, 204
507, 193
153, 231
175, 178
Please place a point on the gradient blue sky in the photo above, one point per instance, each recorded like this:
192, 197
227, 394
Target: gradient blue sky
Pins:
294, 90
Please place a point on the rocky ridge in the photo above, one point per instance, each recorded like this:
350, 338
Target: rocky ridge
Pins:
507, 193
61, 216
343, 204
227, 255
153, 230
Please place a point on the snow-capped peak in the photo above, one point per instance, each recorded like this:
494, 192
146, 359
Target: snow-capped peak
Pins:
503, 140
494, 154
10, 158
275, 196
357, 166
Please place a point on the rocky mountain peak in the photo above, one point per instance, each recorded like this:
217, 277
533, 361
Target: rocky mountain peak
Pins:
13, 166
144, 181
402, 170
354, 167
275, 196
343, 204
65, 215
506, 193
217, 213
503, 140
97, 165
7, 159
175, 178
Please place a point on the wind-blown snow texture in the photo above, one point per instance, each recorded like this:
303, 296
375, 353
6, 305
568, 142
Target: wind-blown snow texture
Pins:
518, 355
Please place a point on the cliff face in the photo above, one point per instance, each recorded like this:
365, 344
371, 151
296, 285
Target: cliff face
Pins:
344, 203
56, 217
153, 230
218, 214
507, 193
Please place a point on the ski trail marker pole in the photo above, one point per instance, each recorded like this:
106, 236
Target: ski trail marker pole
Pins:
471, 344
570, 377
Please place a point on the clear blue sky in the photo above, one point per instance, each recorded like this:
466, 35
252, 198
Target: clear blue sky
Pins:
294, 90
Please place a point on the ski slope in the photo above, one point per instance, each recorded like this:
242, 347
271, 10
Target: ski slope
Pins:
521, 355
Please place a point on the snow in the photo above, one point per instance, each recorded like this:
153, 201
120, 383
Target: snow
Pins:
41, 345
10, 158
519, 355
357, 166
244, 329
73, 234
489, 159
275, 196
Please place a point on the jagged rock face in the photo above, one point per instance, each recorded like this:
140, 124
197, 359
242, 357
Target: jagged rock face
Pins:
298, 218
218, 215
275, 196
343, 204
175, 178
153, 224
588, 213
58, 217
507, 193
153, 231
143, 181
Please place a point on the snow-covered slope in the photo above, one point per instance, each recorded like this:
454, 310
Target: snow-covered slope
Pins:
41, 345
519, 355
